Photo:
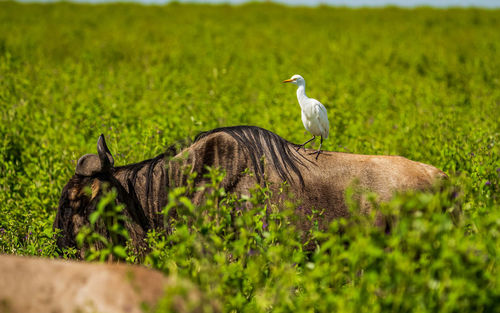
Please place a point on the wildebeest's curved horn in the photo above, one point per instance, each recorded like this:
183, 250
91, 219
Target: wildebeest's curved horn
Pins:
105, 156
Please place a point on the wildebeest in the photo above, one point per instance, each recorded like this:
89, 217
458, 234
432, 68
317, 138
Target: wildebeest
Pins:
316, 184
31, 284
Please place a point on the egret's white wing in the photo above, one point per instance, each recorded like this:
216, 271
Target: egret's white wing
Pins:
322, 117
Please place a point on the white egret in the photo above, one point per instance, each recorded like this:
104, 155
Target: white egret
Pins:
314, 115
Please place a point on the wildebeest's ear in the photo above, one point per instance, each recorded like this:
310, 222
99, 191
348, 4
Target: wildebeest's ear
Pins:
105, 156
88, 165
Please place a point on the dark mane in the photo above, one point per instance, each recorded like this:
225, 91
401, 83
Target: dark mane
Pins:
259, 142
134, 168
132, 171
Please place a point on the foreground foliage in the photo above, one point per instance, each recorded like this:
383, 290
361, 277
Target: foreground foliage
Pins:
419, 83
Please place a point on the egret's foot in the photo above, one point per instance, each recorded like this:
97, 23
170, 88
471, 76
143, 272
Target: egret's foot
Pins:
316, 152
305, 143
301, 146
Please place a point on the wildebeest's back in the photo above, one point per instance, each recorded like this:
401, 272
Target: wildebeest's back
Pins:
326, 181
317, 184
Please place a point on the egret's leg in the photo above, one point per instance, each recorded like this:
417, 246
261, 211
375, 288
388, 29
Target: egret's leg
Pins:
305, 143
319, 150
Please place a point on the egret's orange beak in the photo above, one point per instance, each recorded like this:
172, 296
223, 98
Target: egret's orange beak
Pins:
288, 80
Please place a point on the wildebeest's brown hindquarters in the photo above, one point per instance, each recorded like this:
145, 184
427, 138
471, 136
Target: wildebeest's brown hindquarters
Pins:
317, 184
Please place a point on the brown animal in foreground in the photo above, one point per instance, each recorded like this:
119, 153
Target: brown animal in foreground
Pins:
30, 284
316, 184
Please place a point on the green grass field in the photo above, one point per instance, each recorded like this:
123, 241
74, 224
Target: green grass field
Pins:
421, 83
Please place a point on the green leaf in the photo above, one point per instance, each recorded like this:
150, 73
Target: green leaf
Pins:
120, 251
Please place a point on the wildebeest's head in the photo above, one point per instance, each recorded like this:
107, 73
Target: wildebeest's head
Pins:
94, 175
80, 195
